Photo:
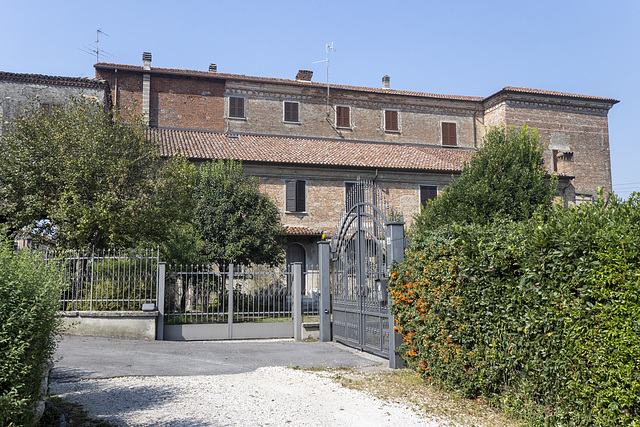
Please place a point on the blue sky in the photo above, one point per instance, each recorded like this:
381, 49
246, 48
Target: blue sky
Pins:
456, 47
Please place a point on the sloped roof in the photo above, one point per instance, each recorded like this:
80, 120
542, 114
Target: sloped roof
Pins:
301, 231
530, 91
200, 145
242, 77
54, 80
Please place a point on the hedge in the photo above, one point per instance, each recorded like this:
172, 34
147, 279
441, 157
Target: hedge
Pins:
541, 317
29, 298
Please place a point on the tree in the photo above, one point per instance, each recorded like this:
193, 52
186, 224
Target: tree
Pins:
237, 223
505, 178
82, 176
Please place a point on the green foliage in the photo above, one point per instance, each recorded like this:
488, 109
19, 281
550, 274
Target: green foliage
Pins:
82, 176
504, 179
538, 316
237, 223
29, 298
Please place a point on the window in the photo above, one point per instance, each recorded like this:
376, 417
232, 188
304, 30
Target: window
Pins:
291, 112
353, 193
236, 107
427, 192
343, 117
295, 196
48, 107
391, 121
449, 134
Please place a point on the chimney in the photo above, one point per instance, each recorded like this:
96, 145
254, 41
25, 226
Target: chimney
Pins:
146, 60
304, 75
213, 68
386, 82
146, 86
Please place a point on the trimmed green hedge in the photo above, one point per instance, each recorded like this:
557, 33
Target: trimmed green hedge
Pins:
29, 298
541, 317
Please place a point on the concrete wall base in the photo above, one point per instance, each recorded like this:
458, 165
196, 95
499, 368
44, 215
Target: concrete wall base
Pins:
140, 325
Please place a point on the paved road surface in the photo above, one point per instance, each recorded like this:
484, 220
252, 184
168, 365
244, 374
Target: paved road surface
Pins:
93, 357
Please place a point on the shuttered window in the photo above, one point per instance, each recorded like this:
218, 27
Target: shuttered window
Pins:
295, 196
291, 112
343, 119
427, 192
449, 134
236, 107
391, 120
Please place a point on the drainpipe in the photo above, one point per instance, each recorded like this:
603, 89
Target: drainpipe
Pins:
146, 86
475, 130
115, 94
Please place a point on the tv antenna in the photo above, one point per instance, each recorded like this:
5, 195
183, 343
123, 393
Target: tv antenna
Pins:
329, 48
95, 50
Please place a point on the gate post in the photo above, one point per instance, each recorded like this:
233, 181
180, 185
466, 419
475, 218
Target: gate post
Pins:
160, 301
395, 253
230, 302
297, 301
325, 290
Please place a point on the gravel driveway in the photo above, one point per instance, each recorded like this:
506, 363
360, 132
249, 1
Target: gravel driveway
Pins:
194, 386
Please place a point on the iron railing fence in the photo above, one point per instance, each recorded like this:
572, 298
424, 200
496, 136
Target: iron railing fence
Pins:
311, 295
206, 294
107, 280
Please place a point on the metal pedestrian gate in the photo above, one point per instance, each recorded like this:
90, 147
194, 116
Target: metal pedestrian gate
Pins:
361, 254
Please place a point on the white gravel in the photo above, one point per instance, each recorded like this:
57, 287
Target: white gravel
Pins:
273, 396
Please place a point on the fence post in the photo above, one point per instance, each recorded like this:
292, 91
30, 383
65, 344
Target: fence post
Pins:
395, 253
297, 301
160, 301
230, 302
325, 290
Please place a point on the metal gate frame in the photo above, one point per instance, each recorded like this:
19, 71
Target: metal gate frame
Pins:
369, 238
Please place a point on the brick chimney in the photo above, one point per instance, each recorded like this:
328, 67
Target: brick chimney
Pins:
213, 68
304, 75
386, 82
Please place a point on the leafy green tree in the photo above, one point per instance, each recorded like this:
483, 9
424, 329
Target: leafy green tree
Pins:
82, 176
505, 178
237, 223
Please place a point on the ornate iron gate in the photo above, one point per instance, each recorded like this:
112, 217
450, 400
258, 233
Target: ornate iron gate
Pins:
359, 264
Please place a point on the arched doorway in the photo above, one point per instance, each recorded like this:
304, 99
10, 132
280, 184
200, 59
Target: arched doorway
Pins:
296, 253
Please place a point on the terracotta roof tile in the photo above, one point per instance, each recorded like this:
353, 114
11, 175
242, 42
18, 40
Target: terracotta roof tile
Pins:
209, 74
553, 93
199, 145
54, 80
301, 231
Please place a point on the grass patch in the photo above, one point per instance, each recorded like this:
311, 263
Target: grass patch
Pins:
406, 387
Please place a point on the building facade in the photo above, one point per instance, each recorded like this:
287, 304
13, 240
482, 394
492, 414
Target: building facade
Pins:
19, 91
308, 142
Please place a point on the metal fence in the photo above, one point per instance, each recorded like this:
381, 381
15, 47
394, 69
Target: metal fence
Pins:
107, 280
206, 294
311, 295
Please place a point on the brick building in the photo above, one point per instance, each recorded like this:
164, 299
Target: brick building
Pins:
308, 142
18, 91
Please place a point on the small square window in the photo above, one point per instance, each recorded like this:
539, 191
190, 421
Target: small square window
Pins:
291, 112
449, 134
427, 192
295, 196
236, 107
391, 121
343, 116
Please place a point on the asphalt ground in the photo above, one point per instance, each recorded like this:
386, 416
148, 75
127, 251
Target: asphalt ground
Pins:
80, 357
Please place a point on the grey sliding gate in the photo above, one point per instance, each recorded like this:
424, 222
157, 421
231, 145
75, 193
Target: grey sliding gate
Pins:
360, 257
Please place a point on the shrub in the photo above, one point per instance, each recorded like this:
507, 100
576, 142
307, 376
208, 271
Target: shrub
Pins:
539, 316
29, 299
